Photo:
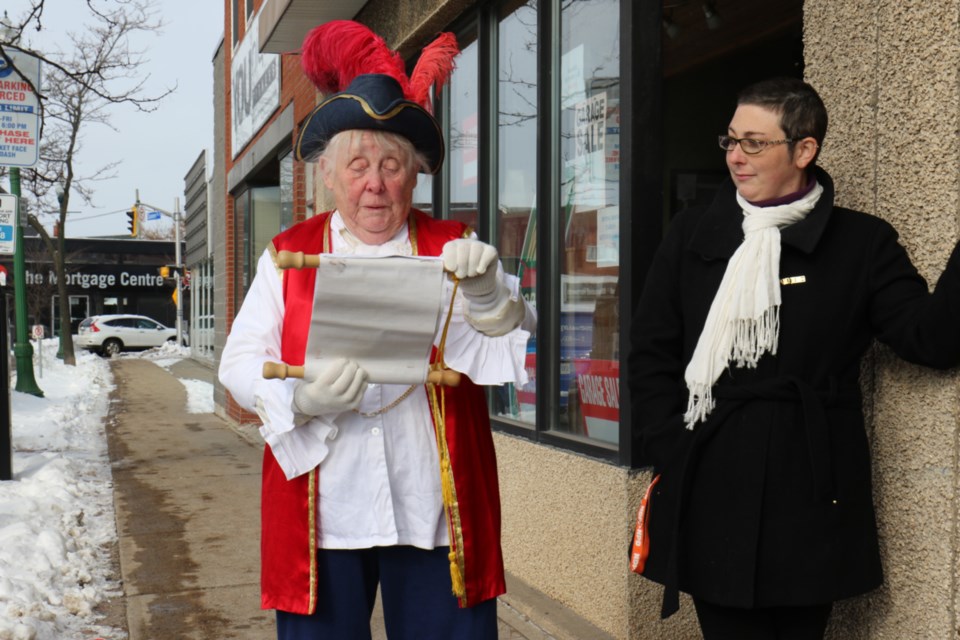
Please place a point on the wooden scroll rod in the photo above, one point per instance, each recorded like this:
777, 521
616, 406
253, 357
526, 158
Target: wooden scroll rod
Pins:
282, 371
299, 260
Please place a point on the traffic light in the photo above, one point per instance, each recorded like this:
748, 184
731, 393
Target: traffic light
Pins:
133, 222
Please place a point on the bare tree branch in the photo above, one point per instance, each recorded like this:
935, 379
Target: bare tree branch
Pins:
97, 70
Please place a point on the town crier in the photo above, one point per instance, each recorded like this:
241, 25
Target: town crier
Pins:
367, 483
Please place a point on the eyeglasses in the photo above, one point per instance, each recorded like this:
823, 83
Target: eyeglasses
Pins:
749, 146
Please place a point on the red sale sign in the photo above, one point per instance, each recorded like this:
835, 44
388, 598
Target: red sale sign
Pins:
598, 382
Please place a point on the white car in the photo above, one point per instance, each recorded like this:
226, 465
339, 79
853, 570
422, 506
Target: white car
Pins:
111, 334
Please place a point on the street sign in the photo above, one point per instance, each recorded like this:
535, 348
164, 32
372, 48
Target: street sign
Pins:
8, 221
153, 215
36, 331
19, 109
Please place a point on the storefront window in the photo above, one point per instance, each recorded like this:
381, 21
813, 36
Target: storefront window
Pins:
589, 219
241, 246
517, 178
286, 191
201, 310
550, 200
267, 220
79, 309
257, 212
462, 138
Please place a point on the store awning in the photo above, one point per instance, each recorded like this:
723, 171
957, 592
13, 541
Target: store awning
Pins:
284, 23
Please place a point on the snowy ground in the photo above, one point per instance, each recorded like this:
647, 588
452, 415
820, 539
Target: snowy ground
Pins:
56, 514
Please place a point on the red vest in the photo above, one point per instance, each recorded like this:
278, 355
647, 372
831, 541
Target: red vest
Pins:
289, 507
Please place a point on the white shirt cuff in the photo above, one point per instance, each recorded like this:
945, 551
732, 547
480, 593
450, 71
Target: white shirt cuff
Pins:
487, 360
297, 445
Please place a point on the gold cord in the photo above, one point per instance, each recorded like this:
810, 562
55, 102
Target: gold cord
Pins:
447, 486
382, 410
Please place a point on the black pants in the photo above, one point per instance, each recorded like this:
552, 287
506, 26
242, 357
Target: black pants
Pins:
773, 623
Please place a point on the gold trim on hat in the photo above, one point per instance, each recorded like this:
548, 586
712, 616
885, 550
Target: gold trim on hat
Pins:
367, 109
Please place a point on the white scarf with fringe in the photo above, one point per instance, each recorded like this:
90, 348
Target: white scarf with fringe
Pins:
744, 319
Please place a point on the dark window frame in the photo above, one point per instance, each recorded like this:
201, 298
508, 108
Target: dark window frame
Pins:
640, 192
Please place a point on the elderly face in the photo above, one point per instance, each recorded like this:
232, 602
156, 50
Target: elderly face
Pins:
775, 171
372, 180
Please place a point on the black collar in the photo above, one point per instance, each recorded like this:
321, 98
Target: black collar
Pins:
719, 231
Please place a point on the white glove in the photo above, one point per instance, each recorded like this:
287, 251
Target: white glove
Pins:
329, 387
489, 308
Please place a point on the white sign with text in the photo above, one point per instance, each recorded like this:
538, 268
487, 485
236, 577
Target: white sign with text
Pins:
255, 85
19, 109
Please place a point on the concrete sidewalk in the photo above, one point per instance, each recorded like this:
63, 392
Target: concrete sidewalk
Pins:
187, 491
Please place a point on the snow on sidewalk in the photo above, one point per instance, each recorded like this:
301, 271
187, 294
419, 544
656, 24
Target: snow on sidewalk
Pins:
57, 519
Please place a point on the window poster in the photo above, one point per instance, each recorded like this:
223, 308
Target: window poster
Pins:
573, 89
588, 168
608, 237
468, 146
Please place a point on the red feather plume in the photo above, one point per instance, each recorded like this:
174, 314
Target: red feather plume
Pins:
434, 67
336, 52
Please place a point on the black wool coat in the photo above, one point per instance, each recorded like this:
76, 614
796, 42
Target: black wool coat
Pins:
769, 501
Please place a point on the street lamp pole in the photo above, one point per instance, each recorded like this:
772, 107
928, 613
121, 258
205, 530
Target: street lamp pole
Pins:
22, 349
60, 195
179, 280
175, 216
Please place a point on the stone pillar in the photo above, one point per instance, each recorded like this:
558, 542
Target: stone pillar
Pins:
888, 72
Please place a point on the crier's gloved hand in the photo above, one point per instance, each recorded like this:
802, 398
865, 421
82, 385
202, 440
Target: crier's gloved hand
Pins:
329, 387
489, 308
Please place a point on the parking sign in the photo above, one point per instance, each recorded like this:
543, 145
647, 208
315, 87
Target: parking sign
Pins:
19, 109
8, 218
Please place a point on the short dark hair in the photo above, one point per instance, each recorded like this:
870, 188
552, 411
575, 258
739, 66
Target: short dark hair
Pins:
802, 112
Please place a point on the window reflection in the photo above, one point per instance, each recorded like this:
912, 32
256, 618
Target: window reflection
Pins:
517, 177
589, 220
462, 139
423, 193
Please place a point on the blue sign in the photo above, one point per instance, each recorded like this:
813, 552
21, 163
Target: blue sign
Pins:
153, 215
8, 220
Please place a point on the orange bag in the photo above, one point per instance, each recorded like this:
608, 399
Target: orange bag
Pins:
641, 535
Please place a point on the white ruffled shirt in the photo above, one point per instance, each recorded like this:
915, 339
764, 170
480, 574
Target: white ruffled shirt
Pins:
379, 476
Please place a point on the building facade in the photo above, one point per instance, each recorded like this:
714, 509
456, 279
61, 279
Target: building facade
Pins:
198, 259
103, 276
575, 130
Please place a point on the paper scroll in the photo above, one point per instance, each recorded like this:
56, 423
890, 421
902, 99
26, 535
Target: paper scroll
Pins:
383, 313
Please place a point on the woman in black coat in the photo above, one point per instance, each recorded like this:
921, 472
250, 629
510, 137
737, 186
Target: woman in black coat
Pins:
744, 378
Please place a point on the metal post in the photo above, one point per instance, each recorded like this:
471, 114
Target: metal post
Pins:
175, 216
22, 349
176, 229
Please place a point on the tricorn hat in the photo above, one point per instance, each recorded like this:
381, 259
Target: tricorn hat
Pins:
370, 88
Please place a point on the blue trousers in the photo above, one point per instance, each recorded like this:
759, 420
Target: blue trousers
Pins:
415, 591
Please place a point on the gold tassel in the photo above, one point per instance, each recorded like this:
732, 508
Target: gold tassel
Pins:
459, 589
446, 481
